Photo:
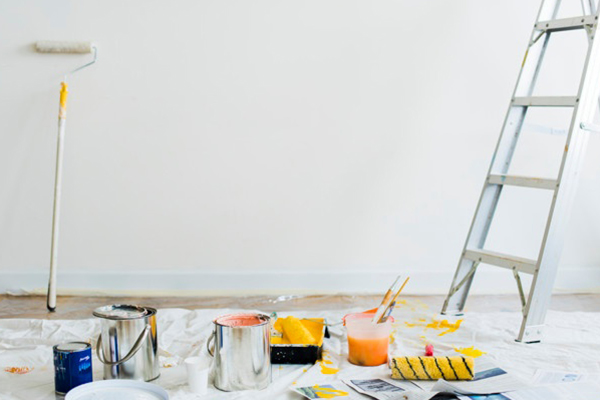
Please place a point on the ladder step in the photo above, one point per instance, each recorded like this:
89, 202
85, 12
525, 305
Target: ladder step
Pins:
524, 181
545, 101
501, 260
566, 24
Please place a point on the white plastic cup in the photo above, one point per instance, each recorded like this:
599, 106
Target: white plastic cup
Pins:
197, 372
367, 342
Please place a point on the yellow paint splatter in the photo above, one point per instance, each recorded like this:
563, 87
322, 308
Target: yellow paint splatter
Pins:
437, 324
470, 351
328, 393
18, 370
393, 336
328, 370
444, 324
328, 362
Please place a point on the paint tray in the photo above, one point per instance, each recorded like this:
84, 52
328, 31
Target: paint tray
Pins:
302, 353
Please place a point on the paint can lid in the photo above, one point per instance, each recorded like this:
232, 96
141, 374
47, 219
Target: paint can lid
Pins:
117, 389
72, 347
123, 312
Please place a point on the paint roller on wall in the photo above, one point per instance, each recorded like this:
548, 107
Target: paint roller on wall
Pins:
61, 47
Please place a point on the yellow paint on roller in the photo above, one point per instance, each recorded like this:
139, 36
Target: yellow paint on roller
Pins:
410, 325
296, 331
470, 351
328, 393
433, 368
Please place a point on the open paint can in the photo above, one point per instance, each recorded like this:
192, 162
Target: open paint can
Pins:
242, 352
128, 342
72, 366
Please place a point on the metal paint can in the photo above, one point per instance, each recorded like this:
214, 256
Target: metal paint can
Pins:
128, 342
72, 365
242, 352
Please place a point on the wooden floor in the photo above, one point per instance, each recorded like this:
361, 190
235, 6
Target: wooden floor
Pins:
77, 307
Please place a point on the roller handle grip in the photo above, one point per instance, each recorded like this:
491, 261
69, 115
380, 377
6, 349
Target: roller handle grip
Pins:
64, 92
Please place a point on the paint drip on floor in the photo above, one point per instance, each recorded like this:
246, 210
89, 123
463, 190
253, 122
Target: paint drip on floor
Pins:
18, 370
470, 351
328, 370
448, 327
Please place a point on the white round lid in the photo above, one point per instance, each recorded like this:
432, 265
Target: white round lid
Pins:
72, 346
123, 311
117, 389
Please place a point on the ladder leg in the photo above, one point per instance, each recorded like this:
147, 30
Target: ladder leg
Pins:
552, 244
540, 293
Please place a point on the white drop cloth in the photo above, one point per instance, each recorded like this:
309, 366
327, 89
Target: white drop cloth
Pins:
572, 342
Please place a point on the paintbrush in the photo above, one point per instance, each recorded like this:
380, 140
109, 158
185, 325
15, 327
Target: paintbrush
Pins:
387, 300
388, 311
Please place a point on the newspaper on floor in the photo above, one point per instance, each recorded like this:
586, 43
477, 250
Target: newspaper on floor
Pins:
563, 391
488, 379
550, 377
354, 389
328, 390
388, 389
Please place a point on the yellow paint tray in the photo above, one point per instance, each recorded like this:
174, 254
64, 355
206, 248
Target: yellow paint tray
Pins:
285, 353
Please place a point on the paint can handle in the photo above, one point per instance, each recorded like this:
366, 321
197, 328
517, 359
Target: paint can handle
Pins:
136, 346
210, 339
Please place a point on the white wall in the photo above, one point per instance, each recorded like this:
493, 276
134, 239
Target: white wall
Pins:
221, 144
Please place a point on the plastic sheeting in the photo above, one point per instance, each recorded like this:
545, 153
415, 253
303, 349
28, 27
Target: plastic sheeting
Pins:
572, 343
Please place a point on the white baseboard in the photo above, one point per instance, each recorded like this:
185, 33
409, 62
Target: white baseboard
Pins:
187, 283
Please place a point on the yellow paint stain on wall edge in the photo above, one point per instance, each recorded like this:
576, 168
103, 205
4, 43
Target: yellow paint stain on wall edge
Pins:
470, 351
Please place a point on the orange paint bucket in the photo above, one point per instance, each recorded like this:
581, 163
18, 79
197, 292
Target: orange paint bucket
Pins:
367, 342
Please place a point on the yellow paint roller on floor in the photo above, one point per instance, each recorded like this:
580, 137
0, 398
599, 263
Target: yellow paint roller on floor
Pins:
433, 368
294, 331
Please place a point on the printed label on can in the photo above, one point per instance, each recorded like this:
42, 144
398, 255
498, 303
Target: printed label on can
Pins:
72, 367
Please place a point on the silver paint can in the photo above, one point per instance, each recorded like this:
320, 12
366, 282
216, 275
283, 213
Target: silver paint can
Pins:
128, 342
242, 352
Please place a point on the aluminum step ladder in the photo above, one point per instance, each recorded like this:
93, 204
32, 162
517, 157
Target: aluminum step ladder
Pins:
583, 104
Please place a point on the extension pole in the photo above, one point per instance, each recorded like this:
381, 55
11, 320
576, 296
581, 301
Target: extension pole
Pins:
62, 122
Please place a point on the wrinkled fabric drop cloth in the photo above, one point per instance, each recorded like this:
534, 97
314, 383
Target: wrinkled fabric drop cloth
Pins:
572, 342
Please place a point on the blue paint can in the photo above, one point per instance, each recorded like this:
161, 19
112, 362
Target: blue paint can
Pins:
72, 365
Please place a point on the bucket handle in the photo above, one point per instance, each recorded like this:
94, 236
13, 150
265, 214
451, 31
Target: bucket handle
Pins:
210, 339
136, 346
